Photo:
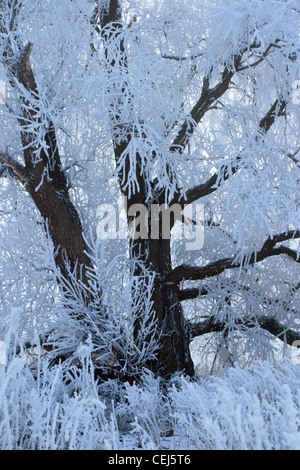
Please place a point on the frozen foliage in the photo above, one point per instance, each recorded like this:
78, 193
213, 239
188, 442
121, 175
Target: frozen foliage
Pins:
255, 409
246, 409
41, 413
117, 300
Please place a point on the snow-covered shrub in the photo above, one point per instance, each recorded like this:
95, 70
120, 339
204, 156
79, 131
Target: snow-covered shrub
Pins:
41, 413
244, 410
145, 406
257, 409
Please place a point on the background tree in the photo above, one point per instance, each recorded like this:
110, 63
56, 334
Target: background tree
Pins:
175, 103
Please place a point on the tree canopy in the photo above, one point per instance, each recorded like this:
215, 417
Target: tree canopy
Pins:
165, 104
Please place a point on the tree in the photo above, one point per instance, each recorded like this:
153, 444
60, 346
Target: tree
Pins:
168, 106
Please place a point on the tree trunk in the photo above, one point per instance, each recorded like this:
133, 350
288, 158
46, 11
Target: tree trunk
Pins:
64, 228
174, 353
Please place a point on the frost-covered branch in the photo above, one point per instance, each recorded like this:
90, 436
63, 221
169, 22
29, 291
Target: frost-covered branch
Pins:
14, 168
207, 98
212, 325
211, 95
185, 272
227, 170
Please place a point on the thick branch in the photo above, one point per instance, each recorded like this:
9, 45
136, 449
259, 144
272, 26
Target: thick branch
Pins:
277, 109
192, 273
53, 161
46, 182
269, 324
192, 293
281, 237
50, 158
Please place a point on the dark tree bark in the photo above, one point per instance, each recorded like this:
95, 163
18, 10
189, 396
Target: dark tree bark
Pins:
174, 353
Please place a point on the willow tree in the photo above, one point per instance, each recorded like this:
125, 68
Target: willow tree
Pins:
167, 106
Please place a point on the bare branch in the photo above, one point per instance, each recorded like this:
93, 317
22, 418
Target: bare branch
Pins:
276, 110
282, 237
